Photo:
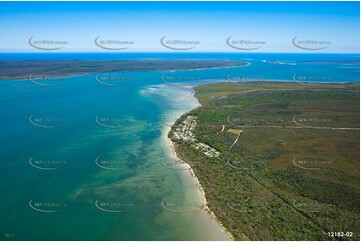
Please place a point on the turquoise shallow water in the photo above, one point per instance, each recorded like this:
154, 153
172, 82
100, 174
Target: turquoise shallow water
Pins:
87, 161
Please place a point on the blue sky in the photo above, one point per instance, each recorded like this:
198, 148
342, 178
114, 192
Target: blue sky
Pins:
209, 23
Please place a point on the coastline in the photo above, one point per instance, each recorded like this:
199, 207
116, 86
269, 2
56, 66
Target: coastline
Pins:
168, 143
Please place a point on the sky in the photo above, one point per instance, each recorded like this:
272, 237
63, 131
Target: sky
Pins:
333, 27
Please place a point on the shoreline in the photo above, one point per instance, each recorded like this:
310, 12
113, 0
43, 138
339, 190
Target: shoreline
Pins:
168, 143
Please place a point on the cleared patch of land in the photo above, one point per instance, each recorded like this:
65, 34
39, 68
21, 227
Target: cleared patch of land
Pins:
24, 69
293, 173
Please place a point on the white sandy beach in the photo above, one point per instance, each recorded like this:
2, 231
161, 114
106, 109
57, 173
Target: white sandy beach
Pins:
184, 102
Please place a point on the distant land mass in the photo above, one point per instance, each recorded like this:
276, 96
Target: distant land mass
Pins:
23, 69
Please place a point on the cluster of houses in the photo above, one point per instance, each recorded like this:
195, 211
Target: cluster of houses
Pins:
184, 131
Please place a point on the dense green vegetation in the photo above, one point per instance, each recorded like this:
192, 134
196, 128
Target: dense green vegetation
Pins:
23, 69
293, 174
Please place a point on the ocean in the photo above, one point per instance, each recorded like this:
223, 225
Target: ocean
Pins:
86, 157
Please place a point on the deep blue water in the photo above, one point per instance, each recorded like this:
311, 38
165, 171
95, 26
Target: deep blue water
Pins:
175, 55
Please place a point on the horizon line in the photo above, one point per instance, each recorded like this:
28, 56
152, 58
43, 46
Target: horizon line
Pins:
168, 52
